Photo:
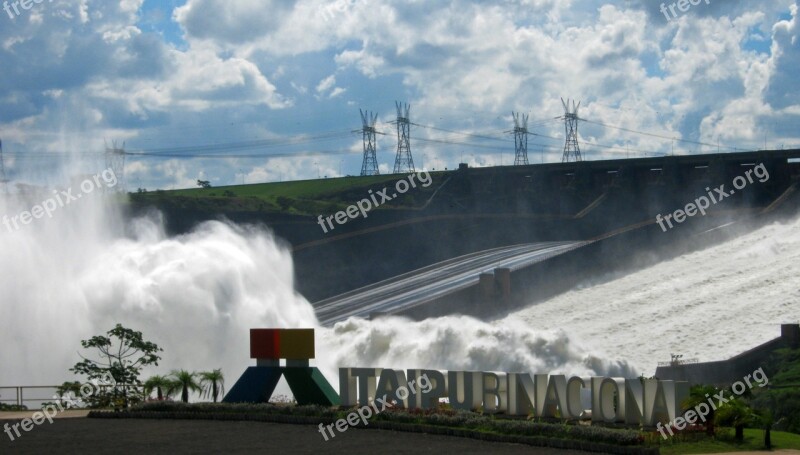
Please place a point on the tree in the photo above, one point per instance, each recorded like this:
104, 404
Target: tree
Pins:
766, 420
160, 384
66, 388
185, 382
736, 414
212, 383
699, 394
284, 202
123, 353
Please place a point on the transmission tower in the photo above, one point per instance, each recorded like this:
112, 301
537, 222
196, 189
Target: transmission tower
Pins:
3, 179
572, 150
115, 160
403, 162
520, 138
370, 164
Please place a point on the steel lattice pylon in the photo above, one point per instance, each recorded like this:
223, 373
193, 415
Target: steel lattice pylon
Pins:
572, 151
369, 166
520, 139
403, 162
3, 179
115, 160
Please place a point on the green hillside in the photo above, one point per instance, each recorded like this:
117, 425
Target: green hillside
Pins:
301, 197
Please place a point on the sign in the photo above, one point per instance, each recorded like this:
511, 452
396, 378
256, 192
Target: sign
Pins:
613, 400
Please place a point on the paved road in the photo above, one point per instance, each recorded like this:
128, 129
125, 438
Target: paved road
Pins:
135, 436
426, 284
19, 415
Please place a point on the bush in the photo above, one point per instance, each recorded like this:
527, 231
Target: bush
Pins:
440, 417
284, 202
12, 407
484, 422
600, 434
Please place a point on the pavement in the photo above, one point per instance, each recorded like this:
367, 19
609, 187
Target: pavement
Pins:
153, 436
19, 415
72, 433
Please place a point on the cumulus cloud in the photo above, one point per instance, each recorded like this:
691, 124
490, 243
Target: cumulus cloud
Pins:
785, 62
327, 87
77, 73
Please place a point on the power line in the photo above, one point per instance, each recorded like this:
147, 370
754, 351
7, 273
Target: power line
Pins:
249, 155
685, 141
621, 150
3, 179
446, 142
218, 150
479, 136
244, 145
115, 160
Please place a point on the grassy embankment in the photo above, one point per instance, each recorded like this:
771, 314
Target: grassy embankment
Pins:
301, 197
753, 441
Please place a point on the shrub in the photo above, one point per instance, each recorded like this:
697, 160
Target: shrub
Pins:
437, 417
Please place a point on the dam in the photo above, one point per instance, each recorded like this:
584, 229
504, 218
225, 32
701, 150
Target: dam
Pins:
608, 209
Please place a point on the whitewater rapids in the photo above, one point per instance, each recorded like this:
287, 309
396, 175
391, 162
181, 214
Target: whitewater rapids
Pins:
197, 295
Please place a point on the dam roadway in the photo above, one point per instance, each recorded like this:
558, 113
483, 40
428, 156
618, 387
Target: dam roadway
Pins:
429, 283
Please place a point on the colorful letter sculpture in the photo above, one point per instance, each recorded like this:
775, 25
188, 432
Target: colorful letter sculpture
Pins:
268, 347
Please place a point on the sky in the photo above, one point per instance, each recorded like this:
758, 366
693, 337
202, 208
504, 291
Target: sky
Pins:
250, 91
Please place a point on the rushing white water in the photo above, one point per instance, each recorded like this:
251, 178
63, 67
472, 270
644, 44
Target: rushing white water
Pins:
196, 295
710, 304
76, 275
464, 343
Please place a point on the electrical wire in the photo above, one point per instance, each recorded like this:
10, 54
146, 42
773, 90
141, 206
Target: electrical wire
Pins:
245, 145
685, 141
479, 136
250, 155
446, 142
215, 151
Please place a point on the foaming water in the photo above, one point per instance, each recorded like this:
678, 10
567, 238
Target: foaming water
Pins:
710, 304
74, 276
196, 295
464, 343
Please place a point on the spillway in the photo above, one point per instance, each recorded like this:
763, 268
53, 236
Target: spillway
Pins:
424, 285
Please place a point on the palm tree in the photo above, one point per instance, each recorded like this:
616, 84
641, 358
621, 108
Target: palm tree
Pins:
185, 382
160, 384
213, 383
737, 414
766, 420
697, 395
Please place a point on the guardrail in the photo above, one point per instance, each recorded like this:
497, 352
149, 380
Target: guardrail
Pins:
674, 363
36, 400
20, 397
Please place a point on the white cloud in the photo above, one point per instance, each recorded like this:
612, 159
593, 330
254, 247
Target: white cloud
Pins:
327, 87
89, 70
326, 84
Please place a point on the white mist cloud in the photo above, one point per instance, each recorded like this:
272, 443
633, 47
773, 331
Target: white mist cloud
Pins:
197, 295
